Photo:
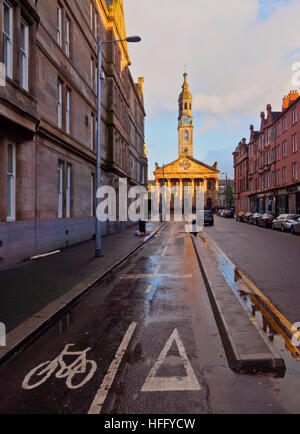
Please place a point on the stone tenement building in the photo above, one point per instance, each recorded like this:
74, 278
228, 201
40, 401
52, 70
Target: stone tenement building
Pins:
186, 171
48, 112
267, 168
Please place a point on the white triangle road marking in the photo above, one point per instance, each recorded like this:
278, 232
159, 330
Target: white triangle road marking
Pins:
162, 384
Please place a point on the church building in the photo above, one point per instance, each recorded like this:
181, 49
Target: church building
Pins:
186, 171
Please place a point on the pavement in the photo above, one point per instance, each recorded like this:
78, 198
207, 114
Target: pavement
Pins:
29, 287
35, 293
145, 341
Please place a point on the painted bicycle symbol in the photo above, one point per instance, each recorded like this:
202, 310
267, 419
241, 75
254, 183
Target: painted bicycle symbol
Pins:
81, 365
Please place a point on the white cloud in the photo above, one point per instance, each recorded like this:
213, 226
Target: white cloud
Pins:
236, 63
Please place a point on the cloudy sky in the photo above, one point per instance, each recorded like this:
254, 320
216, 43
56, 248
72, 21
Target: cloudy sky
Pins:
239, 56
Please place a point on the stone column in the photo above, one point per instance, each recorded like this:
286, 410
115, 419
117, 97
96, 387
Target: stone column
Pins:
158, 190
193, 193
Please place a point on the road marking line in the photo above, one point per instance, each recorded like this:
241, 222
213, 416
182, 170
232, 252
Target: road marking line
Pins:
276, 312
108, 380
149, 289
163, 384
165, 251
157, 270
155, 276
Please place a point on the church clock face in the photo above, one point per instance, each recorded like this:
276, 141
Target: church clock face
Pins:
186, 120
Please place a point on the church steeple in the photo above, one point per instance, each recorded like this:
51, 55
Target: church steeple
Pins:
185, 120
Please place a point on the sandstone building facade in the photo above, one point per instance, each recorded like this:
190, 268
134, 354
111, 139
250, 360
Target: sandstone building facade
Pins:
186, 171
267, 167
48, 112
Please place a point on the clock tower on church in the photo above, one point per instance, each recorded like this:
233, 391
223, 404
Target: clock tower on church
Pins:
185, 121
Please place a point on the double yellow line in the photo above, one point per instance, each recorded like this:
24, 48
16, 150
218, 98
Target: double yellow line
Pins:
261, 303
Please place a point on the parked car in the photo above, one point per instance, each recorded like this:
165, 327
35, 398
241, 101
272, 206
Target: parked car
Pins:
220, 212
228, 213
239, 216
208, 218
296, 227
265, 220
246, 217
254, 218
285, 222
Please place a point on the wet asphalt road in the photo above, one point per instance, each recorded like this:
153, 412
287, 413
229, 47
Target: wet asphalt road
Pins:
171, 362
271, 259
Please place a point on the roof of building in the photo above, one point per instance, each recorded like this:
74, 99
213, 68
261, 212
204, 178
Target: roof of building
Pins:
212, 168
185, 94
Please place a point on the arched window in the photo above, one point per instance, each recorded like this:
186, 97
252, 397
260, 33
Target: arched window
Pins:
186, 135
190, 106
185, 106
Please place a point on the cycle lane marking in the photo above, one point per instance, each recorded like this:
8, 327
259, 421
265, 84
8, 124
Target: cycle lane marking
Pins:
79, 366
108, 380
155, 383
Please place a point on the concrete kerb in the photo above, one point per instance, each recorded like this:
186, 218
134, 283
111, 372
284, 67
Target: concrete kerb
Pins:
33, 327
245, 347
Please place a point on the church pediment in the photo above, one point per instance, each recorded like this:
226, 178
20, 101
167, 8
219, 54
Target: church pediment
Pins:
189, 166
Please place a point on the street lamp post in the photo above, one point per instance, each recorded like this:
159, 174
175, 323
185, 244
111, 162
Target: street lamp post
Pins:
225, 173
99, 98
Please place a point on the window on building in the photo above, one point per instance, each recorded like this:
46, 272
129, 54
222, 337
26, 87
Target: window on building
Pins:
278, 129
92, 131
8, 37
262, 141
278, 153
294, 116
284, 149
59, 25
284, 123
68, 192
294, 171
294, 143
68, 111
24, 53
60, 189
92, 73
186, 135
59, 104
11, 182
96, 25
67, 36
284, 175
91, 14
278, 177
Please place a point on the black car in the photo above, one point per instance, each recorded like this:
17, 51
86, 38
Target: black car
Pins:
239, 216
228, 213
246, 217
265, 220
254, 218
208, 218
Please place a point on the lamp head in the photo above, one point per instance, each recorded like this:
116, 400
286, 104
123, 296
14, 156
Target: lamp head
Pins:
133, 39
